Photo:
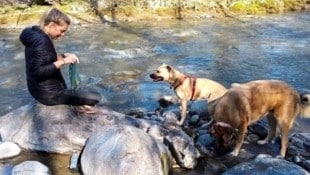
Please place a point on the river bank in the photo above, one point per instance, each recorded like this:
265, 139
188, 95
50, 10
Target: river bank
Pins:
83, 14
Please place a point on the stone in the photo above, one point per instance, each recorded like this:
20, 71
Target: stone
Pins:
31, 168
8, 150
267, 165
124, 150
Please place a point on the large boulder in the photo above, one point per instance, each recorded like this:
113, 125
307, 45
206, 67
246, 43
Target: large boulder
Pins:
267, 165
124, 150
55, 128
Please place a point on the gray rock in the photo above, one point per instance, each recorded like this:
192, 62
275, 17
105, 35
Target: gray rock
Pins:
298, 145
30, 168
8, 150
205, 139
266, 165
182, 147
124, 150
55, 128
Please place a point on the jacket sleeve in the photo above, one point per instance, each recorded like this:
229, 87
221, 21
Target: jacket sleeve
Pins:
42, 61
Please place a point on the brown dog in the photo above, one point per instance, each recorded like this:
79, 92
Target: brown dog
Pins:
244, 104
188, 88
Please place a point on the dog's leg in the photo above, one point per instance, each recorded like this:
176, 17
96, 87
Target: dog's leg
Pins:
272, 123
239, 140
284, 128
285, 121
183, 109
285, 117
207, 125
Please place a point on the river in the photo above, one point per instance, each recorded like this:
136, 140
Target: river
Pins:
116, 60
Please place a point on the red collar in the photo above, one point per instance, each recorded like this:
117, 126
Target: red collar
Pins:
177, 84
194, 88
181, 82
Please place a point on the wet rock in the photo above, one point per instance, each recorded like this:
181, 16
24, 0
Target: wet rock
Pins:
170, 118
306, 164
124, 150
298, 145
267, 165
194, 119
182, 148
8, 150
136, 113
166, 101
156, 132
31, 168
259, 129
206, 140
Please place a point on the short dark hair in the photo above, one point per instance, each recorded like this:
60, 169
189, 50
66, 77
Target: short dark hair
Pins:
54, 15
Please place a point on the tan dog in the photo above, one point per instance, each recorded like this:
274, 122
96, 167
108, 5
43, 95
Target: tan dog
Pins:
244, 104
188, 88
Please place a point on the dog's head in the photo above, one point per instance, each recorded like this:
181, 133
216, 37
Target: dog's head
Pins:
162, 73
224, 135
305, 104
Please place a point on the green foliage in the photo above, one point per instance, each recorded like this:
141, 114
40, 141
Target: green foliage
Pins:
261, 7
129, 10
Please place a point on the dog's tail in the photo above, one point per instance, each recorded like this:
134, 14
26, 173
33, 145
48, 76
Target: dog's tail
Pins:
305, 105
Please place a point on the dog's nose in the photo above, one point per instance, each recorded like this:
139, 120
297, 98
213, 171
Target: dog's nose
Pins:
151, 75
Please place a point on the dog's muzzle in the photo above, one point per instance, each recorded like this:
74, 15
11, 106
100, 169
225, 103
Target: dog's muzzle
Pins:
156, 78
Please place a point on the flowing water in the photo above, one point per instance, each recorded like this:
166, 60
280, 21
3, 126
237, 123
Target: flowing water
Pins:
116, 60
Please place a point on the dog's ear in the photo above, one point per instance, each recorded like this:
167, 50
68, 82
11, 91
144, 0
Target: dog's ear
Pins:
168, 68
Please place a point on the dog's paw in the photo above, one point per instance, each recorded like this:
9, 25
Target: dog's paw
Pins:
234, 153
179, 123
279, 157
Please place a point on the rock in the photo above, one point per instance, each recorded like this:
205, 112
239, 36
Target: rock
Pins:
267, 165
124, 150
299, 144
182, 147
55, 129
205, 139
157, 132
31, 168
306, 164
259, 129
8, 150
194, 119
252, 138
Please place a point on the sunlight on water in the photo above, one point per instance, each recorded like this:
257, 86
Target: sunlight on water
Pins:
117, 60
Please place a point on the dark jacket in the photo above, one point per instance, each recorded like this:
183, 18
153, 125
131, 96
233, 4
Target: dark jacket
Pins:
44, 80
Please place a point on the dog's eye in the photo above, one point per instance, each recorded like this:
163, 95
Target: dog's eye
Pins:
157, 71
304, 99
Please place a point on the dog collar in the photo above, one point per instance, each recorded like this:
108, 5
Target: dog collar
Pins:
179, 83
193, 88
